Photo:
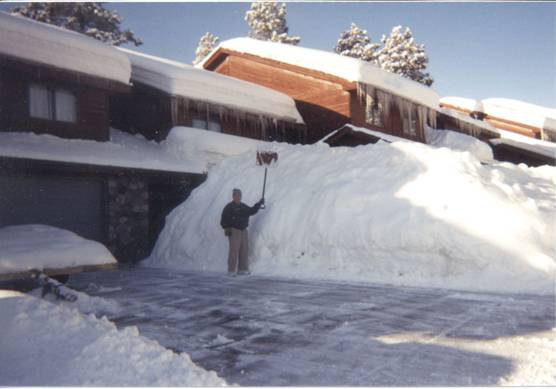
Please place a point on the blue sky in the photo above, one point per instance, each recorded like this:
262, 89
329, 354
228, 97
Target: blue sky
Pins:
476, 50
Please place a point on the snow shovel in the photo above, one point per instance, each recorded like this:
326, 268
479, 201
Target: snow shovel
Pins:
266, 158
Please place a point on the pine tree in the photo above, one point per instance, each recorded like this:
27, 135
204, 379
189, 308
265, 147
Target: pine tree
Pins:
355, 43
267, 21
91, 19
400, 54
207, 43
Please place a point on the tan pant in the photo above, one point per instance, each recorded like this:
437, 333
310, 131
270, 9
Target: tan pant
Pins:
239, 247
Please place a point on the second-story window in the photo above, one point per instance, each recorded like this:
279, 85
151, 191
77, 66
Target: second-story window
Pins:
52, 103
374, 112
209, 122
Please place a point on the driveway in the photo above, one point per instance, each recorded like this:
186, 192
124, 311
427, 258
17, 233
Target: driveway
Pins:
269, 331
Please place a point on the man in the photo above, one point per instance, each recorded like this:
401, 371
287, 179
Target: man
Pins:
234, 221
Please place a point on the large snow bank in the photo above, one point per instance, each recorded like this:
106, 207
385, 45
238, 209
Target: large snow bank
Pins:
46, 344
37, 247
401, 213
43, 43
180, 79
208, 147
123, 150
348, 68
461, 142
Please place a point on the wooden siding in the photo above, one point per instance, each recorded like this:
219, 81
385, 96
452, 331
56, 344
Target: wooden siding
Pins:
91, 101
152, 113
323, 102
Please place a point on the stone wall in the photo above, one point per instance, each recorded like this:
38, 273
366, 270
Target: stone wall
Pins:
128, 218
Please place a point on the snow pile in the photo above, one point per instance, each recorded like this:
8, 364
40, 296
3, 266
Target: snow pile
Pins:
34, 246
54, 46
84, 304
350, 69
461, 142
47, 344
123, 150
402, 213
180, 79
208, 147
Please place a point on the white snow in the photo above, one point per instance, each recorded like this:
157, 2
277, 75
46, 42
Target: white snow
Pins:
461, 142
37, 247
47, 344
350, 69
180, 79
46, 44
537, 146
486, 126
208, 147
402, 213
123, 150
463, 103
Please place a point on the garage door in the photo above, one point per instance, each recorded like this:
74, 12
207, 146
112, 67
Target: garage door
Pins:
73, 204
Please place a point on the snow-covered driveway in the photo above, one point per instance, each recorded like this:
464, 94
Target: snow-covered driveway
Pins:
268, 331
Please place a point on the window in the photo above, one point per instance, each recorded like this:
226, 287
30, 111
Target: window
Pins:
211, 123
52, 104
374, 112
409, 121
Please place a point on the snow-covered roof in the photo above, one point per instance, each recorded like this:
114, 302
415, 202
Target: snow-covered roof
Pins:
38, 247
507, 109
468, 119
43, 43
376, 134
180, 79
537, 146
348, 68
123, 150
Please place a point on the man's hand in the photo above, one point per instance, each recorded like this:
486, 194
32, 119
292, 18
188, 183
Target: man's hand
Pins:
228, 231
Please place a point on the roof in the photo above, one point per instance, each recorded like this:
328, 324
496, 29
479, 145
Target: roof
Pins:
536, 146
179, 79
123, 150
347, 68
507, 109
371, 133
485, 126
43, 43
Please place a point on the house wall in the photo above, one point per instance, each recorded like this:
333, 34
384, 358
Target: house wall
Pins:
91, 101
323, 103
152, 113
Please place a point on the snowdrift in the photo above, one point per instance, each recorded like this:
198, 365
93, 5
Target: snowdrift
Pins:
47, 344
402, 213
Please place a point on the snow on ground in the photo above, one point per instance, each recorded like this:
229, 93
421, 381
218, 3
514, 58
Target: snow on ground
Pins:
348, 68
176, 78
53, 345
402, 213
55, 46
35, 246
460, 142
123, 150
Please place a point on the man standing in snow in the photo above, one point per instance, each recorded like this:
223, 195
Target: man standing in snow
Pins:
234, 221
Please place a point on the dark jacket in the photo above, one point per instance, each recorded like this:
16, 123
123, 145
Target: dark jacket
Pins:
237, 215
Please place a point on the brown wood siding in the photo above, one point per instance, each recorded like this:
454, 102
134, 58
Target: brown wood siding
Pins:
323, 104
91, 103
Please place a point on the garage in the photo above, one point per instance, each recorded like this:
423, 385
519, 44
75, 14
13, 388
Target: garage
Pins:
72, 203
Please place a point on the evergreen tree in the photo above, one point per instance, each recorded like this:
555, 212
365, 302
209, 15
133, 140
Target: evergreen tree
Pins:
267, 21
91, 19
207, 43
356, 43
400, 54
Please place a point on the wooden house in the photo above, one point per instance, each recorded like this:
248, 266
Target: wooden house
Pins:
166, 93
509, 115
56, 84
331, 90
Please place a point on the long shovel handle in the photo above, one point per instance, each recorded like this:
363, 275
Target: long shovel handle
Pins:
264, 187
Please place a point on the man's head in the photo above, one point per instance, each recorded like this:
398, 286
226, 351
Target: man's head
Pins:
236, 195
